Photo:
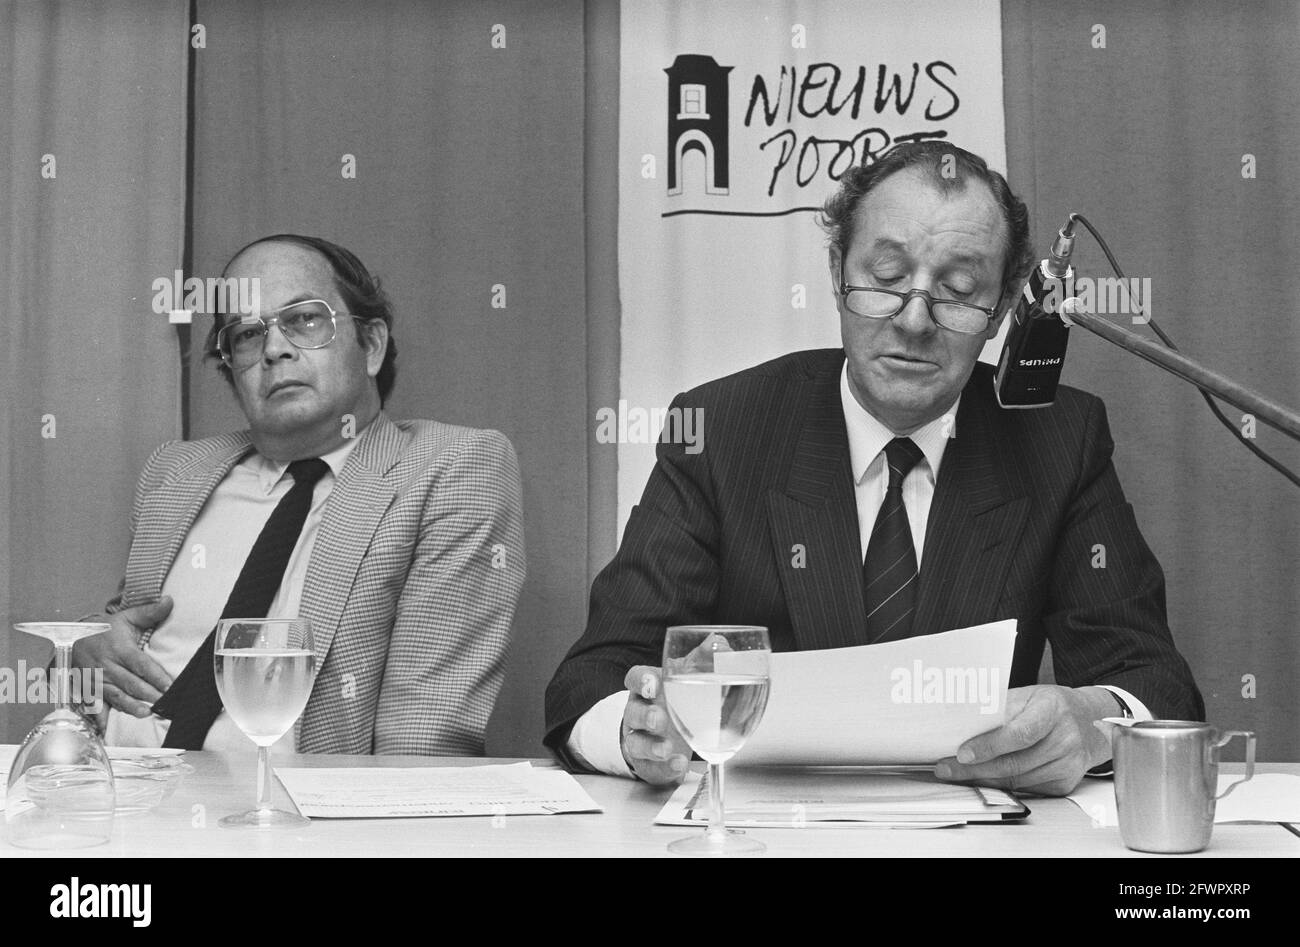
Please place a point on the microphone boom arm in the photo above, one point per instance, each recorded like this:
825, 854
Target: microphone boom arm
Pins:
1271, 412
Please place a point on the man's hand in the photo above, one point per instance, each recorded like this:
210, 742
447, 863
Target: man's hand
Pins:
132, 679
1046, 745
651, 744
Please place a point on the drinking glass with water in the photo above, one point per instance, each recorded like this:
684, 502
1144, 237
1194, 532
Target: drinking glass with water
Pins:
716, 680
265, 669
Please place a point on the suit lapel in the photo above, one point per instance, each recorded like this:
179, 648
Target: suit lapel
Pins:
352, 513
975, 520
166, 519
817, 513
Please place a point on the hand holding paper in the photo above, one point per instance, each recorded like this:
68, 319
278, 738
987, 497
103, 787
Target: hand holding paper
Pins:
1046, 745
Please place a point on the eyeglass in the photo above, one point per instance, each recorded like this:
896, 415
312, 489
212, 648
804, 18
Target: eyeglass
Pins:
966, 318
310, 324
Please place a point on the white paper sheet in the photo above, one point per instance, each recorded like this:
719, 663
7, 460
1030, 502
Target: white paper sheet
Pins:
1266, 797
910, 701
424, 792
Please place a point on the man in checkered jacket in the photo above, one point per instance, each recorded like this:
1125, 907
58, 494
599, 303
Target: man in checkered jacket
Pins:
409, 561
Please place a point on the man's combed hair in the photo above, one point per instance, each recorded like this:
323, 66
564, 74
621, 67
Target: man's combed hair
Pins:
361, 292
948, 168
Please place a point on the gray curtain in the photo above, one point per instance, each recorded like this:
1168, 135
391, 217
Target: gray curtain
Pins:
1146, 138
469, 180
91, 380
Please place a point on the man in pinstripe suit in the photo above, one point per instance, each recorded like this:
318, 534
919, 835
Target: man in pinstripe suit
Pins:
878, 492
409, 561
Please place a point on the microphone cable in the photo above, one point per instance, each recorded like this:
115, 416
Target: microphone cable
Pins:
1169, 343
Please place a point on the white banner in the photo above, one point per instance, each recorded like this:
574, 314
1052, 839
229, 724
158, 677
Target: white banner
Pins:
736, 120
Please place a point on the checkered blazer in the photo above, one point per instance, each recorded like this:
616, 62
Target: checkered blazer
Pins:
411, 587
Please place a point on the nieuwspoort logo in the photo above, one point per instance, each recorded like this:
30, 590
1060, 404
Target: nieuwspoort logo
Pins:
802, 126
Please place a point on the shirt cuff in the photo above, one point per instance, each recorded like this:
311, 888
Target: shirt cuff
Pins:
1139, 709
595, 739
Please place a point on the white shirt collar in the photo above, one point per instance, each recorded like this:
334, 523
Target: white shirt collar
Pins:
868, 437
270, 472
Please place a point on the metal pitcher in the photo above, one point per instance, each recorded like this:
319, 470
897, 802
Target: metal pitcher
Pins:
1166, 779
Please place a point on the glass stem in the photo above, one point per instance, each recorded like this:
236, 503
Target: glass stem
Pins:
62, 666
717, 822
263, 778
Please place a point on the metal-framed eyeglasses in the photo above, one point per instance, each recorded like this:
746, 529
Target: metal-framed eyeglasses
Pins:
309, 324
875, 303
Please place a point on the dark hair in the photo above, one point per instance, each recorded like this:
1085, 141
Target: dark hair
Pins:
948, 175
361, 292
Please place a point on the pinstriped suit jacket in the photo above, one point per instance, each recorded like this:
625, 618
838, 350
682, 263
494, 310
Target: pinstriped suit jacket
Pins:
1022, 500
411, 587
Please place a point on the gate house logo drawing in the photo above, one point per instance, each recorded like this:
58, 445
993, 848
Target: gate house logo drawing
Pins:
698, 111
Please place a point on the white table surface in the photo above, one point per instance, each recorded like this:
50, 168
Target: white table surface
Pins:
223, 783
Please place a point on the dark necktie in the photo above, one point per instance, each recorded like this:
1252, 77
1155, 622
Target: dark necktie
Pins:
890, 571
192, 702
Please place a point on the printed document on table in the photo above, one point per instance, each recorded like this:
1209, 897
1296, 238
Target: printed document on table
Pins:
910, 701
427, 791
848, 796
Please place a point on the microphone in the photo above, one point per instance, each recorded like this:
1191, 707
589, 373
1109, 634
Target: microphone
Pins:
1034, 353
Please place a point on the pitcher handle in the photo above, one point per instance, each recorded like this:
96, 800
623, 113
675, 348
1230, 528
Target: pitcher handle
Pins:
1250, 756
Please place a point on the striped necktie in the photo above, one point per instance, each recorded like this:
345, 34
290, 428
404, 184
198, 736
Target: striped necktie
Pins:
889, 571
192, 702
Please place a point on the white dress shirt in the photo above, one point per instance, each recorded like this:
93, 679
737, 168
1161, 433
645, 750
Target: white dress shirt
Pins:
204, 573
596, 738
